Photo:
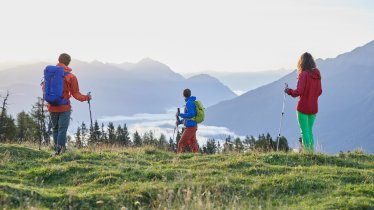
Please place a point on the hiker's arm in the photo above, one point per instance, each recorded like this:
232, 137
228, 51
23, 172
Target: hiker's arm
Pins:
191, 111
320, 92
300, 86
42, 87
75, 90
180, 121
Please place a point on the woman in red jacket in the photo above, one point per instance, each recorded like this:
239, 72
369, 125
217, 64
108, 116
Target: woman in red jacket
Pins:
308, 90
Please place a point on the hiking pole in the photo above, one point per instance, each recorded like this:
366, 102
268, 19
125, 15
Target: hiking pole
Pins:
43, 123
176, 124
89, 107
281, 120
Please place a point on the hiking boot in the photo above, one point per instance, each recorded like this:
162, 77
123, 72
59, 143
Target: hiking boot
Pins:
55, 154
58, 152
62, 150
301, 146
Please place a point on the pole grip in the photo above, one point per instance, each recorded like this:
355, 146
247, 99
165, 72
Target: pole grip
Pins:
89, 93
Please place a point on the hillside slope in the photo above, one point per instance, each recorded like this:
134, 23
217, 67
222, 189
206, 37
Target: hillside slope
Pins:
150, 178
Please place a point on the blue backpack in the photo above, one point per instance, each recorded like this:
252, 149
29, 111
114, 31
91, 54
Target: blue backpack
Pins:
54, 85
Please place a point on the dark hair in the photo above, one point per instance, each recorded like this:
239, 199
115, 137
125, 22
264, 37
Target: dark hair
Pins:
64, 58
306, 63
187, 93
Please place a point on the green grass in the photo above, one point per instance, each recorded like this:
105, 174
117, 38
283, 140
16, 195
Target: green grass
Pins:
147, 178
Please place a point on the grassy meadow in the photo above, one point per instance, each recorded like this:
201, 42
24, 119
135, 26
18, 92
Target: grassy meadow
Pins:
148, 178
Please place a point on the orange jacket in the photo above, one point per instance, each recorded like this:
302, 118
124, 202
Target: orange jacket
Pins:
71, 88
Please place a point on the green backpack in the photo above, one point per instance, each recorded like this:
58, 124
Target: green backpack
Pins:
199, 112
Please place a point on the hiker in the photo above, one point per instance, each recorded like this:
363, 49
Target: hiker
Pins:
189, 134
60, 110
308, 90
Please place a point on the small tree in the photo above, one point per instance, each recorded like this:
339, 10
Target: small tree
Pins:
126, 141
26, 127
211, 147
95, 134
247, 141
38, 114
111, 134
146, 138
238, 144
78, 138
283, 144
102, 136
9, 129
252, 143
137, 140
172, 145
119, 135
265, 143
228, 146
123, 136
84, 133
3, 116
149, 139
162, 143
272, 144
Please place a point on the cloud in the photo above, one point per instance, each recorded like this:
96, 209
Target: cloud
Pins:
165, 124
136, 117
169, 115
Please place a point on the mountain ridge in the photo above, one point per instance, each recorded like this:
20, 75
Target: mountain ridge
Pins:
115, 90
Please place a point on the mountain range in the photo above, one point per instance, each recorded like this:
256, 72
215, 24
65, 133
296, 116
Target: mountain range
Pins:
117, 89
242, 82
346, 117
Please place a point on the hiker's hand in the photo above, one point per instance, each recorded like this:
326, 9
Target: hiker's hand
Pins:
286, 90
89, 96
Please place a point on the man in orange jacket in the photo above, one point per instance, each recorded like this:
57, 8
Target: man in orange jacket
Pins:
60, 115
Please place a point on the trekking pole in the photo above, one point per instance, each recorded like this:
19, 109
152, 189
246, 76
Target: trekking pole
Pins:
176, 124
43, 117
42, 124
281, 120
89, 107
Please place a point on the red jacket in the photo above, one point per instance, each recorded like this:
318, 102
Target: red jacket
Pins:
308, 89
71, 88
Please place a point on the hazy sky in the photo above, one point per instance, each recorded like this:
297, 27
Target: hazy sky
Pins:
189, 36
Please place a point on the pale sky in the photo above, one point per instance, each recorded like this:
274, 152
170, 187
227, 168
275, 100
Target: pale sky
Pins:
189, 36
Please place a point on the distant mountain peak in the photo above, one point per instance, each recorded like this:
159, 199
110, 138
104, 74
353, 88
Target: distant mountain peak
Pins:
201, 77
96, 62
148, 60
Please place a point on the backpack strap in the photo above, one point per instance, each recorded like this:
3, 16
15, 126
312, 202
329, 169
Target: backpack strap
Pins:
67, 100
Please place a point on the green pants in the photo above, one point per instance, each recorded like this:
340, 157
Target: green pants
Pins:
306, 122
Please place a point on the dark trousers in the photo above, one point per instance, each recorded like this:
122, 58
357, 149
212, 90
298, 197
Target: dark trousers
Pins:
60, 124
